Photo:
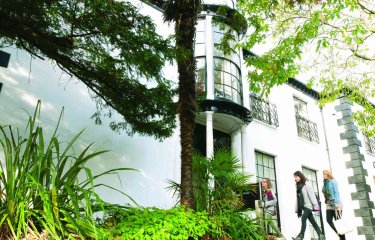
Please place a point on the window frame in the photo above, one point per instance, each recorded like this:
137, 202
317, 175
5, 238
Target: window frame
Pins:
273, 179
312, 177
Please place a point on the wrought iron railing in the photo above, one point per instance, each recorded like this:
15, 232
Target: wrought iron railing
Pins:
369, 144
307, 129
264, 111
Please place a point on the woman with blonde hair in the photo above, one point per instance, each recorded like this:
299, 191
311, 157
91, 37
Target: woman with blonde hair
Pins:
332, 199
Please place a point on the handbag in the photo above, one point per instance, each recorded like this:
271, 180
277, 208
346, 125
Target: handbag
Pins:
343, 225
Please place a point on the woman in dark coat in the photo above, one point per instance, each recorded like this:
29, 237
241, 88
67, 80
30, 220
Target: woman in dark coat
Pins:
306, 203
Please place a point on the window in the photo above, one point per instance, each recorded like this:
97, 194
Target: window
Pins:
226, 70
263, 111
311, 176
221, 31
201, 77
227, 77
199, 39
305, 128
300, 107
200, 60
265, 166
227, 73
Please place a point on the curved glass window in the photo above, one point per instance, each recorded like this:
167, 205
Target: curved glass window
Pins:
227, 73
226, 70
199, 39
201, 77
227, 80
219, 30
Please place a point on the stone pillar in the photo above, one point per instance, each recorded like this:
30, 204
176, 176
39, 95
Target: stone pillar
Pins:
352, 147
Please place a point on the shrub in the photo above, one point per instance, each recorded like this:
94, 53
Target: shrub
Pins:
43, 190
154, 223
177, 223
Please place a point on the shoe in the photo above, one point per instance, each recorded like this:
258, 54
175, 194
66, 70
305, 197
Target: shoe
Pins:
299, 237
322, 237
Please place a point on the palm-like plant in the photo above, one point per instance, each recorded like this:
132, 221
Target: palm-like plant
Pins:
46, 184
217, 181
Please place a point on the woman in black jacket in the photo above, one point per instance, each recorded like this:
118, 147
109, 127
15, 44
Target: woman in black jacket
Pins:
306, 203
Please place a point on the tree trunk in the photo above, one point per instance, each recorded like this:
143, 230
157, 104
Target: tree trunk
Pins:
185, 20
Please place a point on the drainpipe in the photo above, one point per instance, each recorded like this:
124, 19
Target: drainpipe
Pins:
245, 168
326, 140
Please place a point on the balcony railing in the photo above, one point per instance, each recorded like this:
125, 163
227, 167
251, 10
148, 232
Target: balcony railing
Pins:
264, 111
369, 144
307, 129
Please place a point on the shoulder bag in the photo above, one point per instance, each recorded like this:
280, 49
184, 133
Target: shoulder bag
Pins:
343, 225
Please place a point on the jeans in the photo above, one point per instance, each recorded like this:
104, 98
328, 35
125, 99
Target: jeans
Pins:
307, 214
270, 222
330, 215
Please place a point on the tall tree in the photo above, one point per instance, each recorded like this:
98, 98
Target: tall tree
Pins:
184, 13
109, 46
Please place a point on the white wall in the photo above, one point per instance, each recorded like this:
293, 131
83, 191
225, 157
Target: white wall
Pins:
28, 79
25, 81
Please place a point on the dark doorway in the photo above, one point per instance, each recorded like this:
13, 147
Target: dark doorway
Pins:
221, 139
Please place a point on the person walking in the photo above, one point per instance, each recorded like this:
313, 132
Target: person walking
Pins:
306, 203
268, 204
332, 200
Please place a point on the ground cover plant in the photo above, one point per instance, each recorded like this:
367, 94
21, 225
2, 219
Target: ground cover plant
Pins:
178, 223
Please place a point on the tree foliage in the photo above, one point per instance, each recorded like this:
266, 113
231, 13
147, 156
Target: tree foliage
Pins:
106, 44
332, 41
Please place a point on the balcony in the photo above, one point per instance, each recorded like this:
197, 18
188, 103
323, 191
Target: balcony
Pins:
307, 129
264, 111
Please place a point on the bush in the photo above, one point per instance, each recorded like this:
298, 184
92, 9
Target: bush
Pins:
177, 223
154, 223
44, 187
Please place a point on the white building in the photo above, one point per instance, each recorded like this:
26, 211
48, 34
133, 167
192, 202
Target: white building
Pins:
273, 137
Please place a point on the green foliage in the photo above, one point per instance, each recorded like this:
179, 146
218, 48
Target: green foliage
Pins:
47, 184
108, 45
276, 65
235, 225
227, 179
153, 223
177, 223
329, 40
218, 184
218, 181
